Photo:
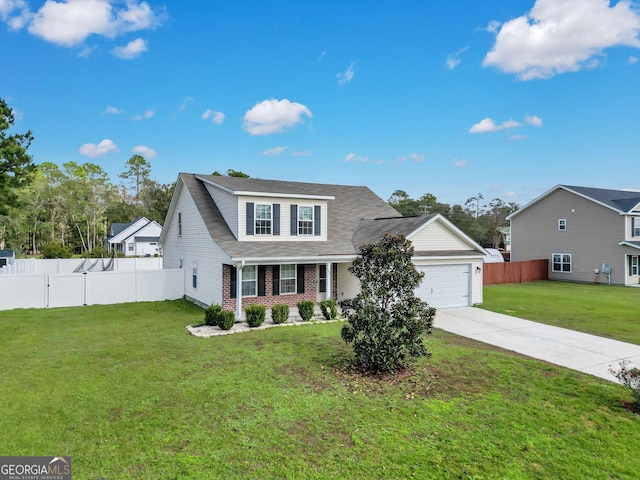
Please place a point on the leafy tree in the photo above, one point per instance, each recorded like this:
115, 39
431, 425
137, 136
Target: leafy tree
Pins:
386, 321
474, 205
494, 218
16, 166
89, 192
137, 173
231, 173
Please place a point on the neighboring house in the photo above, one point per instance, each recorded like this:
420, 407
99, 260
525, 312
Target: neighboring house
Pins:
137, 238
505, 233
587, 234
247, 241
7, 257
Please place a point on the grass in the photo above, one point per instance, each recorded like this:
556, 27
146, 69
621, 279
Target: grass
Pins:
607, 311
129, 394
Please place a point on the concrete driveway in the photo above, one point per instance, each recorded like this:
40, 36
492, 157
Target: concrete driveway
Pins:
580, 351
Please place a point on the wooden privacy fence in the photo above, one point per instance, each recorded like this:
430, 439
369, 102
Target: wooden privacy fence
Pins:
515, 272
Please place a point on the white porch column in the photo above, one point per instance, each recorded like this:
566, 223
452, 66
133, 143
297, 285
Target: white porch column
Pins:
329, 280
239, 290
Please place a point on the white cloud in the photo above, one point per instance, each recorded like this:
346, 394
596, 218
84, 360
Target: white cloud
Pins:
533, 120
146, 152
112, 110
131, 50
17, 114
321, 57
92, 150
633, 59
145, 116
519, 136
414, 157
185, 103
562, 36
353, 158
453, 59
272, 152
274, 116
487, 125
512, 194
459, 162
216, 117
347, 75
15, 12
302, 153
70, 22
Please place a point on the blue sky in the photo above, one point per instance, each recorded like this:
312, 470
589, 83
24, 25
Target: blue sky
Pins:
450, 98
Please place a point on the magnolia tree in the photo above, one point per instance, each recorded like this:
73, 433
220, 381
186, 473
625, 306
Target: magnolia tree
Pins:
386, 321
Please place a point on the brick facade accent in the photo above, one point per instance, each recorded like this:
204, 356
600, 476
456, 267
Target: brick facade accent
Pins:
269, 300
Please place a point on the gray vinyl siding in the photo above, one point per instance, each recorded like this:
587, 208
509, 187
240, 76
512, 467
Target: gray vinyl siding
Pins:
195, 244
227, 203
592, 237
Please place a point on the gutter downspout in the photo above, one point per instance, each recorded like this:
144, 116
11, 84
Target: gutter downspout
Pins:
329, 280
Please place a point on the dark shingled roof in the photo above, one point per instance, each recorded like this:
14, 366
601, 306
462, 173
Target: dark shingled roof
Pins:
620, 200
118, 228
347, 213
369, 230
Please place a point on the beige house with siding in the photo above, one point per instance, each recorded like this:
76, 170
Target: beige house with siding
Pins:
587, 234
244, 241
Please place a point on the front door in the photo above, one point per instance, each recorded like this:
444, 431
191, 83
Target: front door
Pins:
321, 282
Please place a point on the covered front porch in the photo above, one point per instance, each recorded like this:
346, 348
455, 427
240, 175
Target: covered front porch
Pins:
247, 283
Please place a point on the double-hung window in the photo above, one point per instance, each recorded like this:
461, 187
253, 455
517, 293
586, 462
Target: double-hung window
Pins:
562, 224
263, 219
249, 281
561, 262
305, 220
287, 279
635, 226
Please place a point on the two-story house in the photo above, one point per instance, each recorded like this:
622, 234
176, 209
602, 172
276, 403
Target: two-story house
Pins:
247, 241
587, 234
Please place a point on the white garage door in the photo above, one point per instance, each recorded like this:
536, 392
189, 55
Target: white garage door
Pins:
445, 285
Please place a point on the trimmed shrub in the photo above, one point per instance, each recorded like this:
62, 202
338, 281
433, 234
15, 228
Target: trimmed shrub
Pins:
329, 309
255, 314
280, 313
212, 315
227, 319
305, 309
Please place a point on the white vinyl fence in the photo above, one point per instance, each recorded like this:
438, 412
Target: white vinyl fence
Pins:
68, 265
45, 290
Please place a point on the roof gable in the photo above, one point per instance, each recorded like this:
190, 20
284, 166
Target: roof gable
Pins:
429, 233
621, 201
132, 228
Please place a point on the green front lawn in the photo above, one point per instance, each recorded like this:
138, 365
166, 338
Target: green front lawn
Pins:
598, 309
128, 393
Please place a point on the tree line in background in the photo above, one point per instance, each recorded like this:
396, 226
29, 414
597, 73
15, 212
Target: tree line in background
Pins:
480, 220
46, 208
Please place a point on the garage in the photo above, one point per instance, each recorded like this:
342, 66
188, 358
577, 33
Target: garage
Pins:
445, 286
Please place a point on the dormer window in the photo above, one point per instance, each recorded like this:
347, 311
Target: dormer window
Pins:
562, 224
305, 220
263, 219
